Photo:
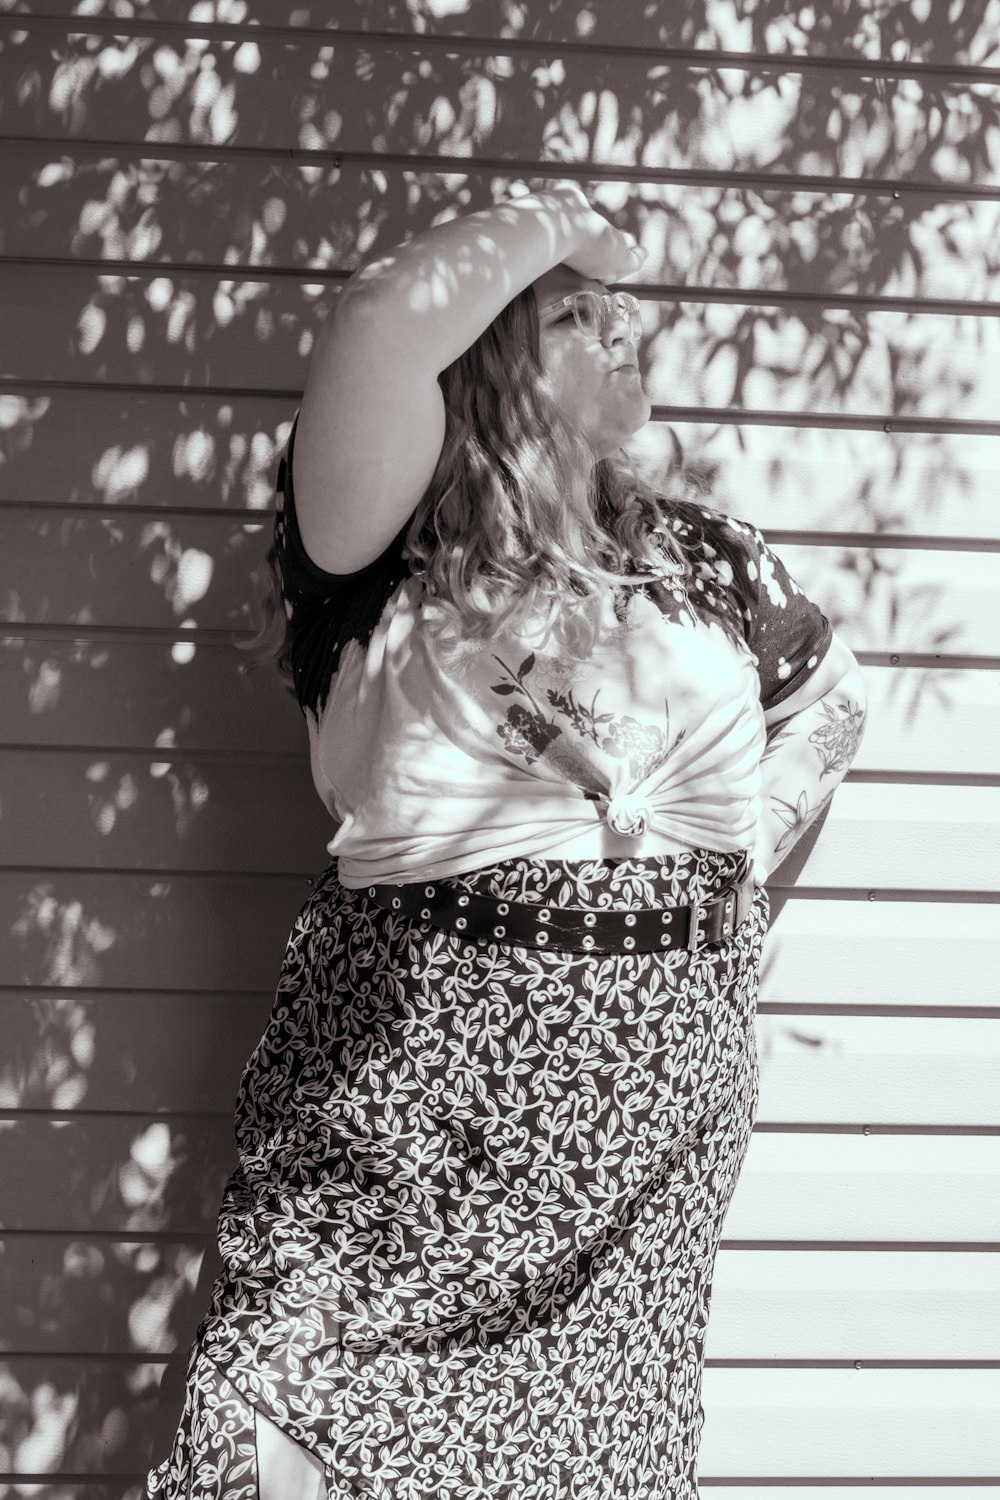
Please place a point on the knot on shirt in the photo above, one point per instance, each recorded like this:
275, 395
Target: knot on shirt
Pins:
630, 814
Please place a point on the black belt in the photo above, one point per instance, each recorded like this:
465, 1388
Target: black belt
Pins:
575, 929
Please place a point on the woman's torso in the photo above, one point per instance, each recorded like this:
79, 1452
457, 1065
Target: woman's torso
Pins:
436, 762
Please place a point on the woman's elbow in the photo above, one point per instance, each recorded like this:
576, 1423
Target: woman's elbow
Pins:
852, 684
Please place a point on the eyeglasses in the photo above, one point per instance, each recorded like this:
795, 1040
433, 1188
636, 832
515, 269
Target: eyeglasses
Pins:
594, 313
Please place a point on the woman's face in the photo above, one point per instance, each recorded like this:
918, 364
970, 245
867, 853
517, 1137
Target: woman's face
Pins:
596, 382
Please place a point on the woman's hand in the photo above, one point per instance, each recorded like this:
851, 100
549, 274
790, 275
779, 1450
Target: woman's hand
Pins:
609, 255
604, 253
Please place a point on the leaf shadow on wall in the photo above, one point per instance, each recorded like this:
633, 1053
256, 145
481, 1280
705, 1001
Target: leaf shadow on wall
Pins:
138, 963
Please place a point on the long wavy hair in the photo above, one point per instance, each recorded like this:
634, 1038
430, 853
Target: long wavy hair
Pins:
521, 523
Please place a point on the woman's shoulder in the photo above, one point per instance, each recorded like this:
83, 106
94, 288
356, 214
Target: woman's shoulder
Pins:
705, 522
705, 533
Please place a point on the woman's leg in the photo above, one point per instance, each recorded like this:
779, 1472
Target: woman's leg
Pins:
285, 1470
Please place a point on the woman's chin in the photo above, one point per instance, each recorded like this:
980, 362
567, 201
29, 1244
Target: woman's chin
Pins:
628, 425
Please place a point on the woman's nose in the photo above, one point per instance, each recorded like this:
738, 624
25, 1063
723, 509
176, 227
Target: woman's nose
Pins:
617, 330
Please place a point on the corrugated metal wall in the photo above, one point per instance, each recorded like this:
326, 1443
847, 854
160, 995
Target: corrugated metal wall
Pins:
180, 197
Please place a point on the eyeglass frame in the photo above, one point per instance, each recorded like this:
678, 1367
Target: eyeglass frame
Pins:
608, 312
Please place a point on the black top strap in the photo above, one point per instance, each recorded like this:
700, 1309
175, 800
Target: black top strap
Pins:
787, 632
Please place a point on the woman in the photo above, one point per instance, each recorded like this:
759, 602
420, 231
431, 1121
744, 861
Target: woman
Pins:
566, 726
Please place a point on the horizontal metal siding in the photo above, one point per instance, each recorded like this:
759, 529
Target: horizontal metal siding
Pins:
820, 339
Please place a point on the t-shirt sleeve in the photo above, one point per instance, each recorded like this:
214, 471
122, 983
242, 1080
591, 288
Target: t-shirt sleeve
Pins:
326, 611
787, 632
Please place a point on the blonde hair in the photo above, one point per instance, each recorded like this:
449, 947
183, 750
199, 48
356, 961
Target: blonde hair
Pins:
520, 520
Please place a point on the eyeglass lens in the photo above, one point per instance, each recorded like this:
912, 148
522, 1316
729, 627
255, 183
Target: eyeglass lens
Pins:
594, 313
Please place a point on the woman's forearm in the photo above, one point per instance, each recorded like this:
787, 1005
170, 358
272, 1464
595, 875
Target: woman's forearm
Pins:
444, 286
805, 760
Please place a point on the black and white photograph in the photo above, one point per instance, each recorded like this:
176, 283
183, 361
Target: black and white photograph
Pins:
499, 786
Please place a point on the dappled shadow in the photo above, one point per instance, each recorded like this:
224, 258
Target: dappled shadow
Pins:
159, 313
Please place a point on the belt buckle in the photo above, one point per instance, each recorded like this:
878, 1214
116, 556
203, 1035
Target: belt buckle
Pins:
694, 931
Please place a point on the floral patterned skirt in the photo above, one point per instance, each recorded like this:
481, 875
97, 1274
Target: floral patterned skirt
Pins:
469, 1245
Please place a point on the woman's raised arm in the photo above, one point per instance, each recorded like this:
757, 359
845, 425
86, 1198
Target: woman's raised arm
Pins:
372, 419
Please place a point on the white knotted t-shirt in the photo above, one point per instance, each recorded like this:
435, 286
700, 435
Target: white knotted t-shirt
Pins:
437, 759
433, 768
